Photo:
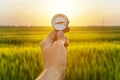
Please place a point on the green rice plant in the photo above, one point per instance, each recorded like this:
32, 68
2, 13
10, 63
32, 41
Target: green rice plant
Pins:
93, 53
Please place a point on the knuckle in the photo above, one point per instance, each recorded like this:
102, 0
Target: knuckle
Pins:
42, 44
58, 43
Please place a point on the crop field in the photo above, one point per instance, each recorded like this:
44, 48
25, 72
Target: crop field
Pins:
93, 53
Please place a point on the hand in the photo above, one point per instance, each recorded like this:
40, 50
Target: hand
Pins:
54, 50
54, 53
54, 56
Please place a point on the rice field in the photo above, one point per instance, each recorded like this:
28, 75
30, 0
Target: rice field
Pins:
93, 53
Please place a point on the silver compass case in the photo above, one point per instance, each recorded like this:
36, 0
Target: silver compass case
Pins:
60, 22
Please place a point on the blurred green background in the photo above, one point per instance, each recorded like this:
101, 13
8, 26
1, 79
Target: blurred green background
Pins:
93, 53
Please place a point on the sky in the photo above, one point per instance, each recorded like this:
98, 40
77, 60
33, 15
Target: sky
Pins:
40, 12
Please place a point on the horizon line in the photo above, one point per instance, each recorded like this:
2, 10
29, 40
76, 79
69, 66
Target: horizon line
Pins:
51, 26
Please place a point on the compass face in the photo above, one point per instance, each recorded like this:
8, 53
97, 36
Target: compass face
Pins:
60, 22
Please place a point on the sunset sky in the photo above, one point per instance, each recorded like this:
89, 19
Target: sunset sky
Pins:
40, 12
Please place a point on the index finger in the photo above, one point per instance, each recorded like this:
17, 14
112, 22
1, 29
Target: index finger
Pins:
49, 39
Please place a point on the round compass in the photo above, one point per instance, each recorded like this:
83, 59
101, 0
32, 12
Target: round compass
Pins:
60, 22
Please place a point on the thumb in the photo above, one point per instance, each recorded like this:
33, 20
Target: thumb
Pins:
61, 37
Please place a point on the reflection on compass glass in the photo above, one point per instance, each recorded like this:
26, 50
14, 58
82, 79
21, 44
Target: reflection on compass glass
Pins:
60, 21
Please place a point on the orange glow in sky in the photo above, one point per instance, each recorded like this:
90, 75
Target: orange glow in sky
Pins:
40, 12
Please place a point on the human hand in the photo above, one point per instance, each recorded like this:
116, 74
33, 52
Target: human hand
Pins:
54, 53
54, 50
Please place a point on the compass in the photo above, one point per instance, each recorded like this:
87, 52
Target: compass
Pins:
60, 22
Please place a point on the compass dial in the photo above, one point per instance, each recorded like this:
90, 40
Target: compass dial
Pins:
60, 22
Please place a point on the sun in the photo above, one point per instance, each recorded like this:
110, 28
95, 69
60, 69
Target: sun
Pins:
60, 9
66, 7
71, 8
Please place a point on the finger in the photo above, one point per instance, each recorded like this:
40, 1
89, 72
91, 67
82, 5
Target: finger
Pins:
66, 42
61, 37
49, 39
52, 36
67, 30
